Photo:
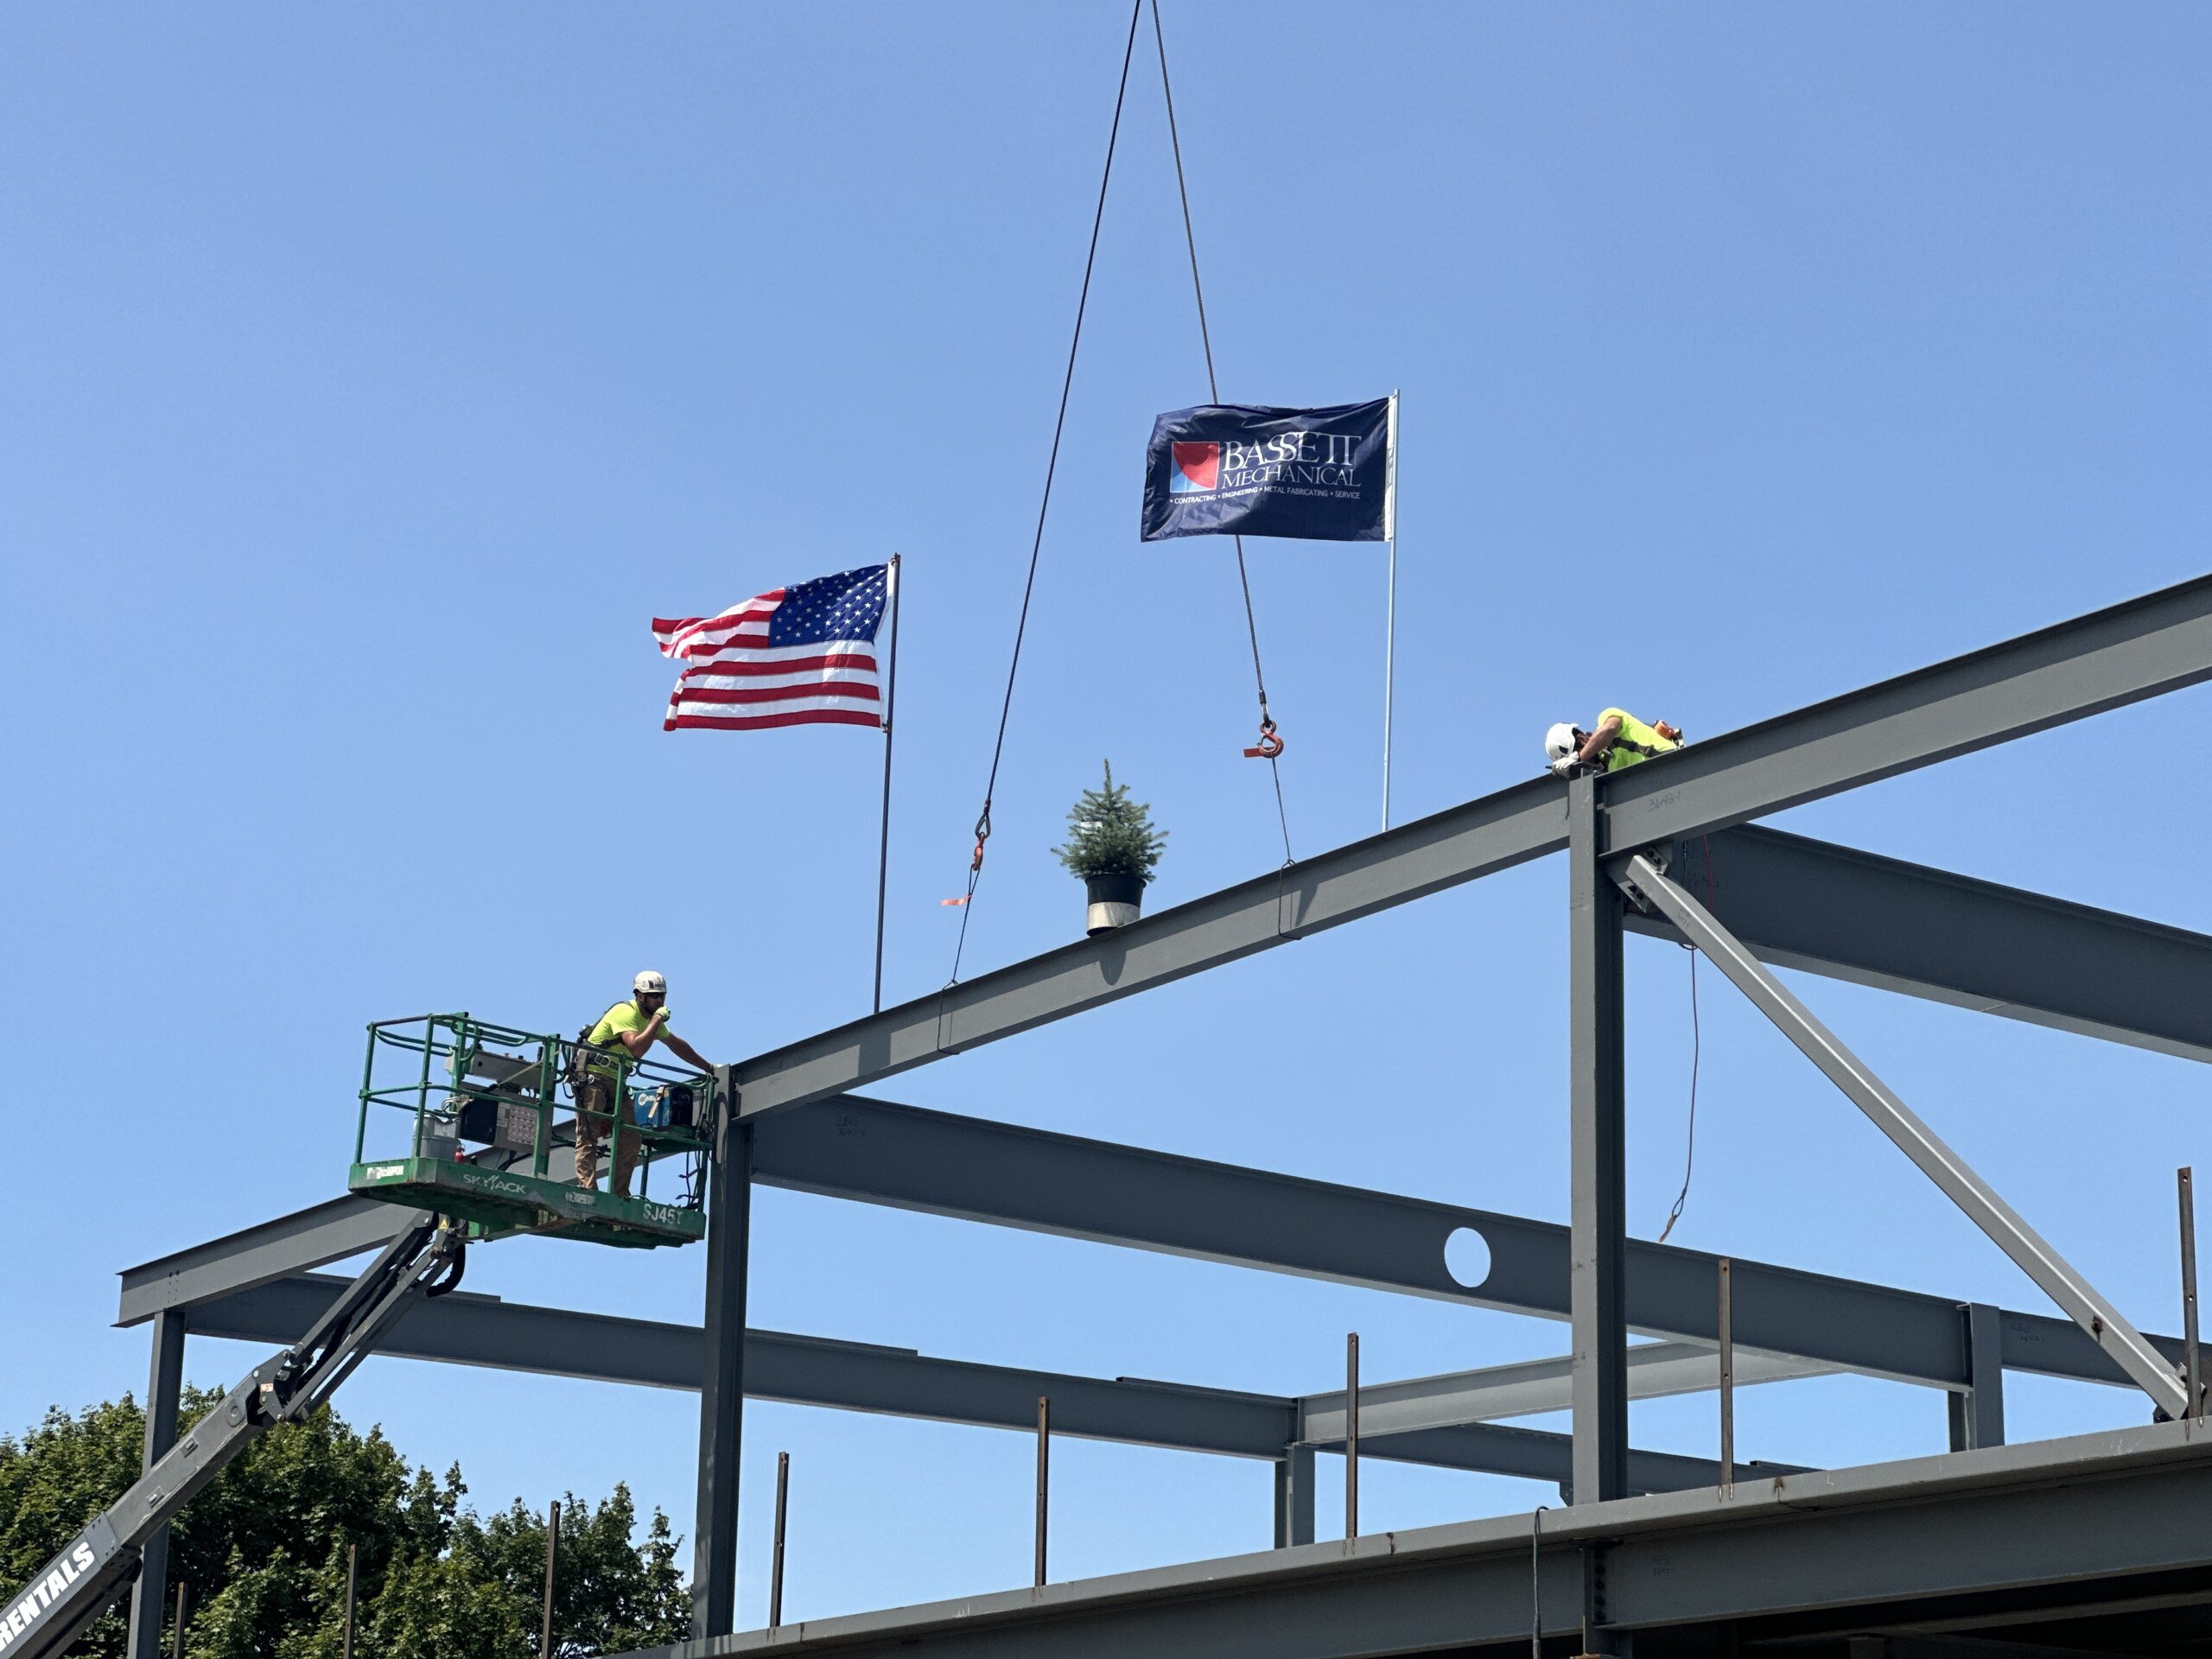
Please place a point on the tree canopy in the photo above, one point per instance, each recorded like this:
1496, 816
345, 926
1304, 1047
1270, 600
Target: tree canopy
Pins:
263, 1548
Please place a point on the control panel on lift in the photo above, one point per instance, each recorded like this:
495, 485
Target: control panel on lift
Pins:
480, 1122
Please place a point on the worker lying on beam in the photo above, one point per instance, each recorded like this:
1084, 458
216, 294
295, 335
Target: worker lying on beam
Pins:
1621, 740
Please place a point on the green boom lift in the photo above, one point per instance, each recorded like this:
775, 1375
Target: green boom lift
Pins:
481, 1145
483, 1158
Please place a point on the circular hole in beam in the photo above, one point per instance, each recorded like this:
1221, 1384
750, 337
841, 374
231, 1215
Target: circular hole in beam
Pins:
1466, 1258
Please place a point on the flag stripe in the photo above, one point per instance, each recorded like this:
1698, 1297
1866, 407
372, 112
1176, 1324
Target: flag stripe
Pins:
784, 660
863, 692
760, 722
775, 685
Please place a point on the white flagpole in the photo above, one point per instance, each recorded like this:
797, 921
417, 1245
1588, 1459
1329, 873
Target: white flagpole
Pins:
883, 850
1390, 600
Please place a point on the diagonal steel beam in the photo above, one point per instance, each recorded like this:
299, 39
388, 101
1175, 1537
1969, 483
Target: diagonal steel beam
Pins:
467, 1329
2130, 651
1895, 926
1983, 1206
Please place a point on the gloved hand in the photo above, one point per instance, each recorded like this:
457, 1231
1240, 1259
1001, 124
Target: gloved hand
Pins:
1565, 766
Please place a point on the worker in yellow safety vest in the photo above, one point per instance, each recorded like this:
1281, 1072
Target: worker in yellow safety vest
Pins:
1620, 739
623, 1035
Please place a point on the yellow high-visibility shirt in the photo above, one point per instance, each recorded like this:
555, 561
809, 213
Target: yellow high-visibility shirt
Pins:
622, 1017
1637, 741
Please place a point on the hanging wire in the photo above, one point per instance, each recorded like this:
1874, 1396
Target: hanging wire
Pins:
1689, 1156
1037, 543
1697, 1044
1270, 747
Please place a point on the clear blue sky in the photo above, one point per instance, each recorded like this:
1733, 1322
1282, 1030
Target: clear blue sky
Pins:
369, 377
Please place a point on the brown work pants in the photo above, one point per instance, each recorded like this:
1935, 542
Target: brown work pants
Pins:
595, 1094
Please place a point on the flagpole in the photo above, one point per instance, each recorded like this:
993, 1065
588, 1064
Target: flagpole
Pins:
883, 849
1390, 598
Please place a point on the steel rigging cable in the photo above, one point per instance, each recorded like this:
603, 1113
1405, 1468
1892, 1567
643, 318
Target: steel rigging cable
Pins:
998, 748
1270, 747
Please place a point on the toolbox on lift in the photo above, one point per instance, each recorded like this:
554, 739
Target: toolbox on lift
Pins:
489, 1140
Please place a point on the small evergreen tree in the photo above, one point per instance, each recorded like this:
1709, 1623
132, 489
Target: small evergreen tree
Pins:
1109, 833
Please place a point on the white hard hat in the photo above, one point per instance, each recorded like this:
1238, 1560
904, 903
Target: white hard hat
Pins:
649, 983
1559, 742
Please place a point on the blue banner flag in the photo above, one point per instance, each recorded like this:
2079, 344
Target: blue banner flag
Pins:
1321, 474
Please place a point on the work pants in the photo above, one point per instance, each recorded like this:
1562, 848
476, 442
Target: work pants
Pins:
595, 1094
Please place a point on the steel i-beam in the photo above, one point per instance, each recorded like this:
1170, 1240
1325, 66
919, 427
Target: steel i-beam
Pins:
2059, 1279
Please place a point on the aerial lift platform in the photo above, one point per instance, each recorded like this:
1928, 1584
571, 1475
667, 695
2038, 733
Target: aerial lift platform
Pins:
482, 1145
466, 1083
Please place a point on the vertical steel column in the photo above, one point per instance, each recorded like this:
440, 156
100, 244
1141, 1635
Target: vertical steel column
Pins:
1294, 1497
1726, 1326
352, 1580
164, 1383
1599, 1230
1043, 1480
1352, 1434
552, 1555
1978, 1410
2192, 1370
722, 1392
776, 1555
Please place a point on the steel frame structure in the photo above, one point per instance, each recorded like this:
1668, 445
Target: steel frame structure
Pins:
1613, 1564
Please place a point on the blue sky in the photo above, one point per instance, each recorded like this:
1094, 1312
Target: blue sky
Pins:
368, 378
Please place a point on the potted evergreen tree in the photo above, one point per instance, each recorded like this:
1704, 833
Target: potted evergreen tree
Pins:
1112, 846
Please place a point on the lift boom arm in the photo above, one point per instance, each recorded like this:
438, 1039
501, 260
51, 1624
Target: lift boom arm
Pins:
94, 1569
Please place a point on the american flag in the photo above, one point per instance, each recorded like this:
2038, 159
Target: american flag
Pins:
792, 657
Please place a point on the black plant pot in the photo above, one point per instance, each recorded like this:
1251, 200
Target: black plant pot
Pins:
1115, 901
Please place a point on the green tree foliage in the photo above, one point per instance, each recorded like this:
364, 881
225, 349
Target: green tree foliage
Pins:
1109, 833
264, 1548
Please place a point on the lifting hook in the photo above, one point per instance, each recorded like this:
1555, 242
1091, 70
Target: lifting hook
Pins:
1270, 744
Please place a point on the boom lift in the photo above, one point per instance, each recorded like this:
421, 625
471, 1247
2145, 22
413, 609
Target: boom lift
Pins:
95, 1568
463, 1083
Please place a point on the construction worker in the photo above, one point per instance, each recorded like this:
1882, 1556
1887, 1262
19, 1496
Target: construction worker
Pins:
626, 1031
1621, 740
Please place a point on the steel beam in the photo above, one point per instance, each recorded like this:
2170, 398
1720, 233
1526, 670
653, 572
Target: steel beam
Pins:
2133, 651
1294, 1497
2006, 1229
1491, 834
1977, 1412
164, 1391
1895, 926
468, 1329
721, 1381
938, 1163
1840, 1551
303, 1240
1598, 1136
1531, 1387
2123, 654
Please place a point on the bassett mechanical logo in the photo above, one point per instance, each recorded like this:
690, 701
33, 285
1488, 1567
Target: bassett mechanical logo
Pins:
1197, 470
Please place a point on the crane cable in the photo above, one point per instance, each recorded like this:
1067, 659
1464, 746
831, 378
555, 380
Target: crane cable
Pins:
1270, 747
1029, 586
